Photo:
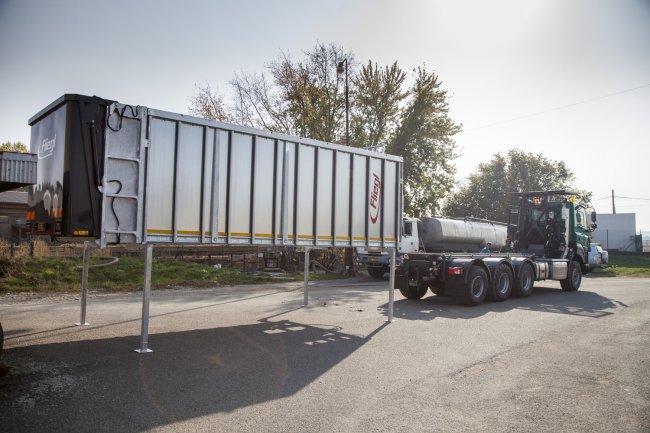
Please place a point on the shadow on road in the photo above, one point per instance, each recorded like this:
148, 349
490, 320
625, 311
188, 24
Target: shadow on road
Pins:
102, 385
548, 300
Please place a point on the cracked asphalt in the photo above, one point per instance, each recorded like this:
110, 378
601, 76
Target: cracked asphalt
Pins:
243, 359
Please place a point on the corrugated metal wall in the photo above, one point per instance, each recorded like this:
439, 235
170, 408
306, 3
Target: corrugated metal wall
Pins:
17, 169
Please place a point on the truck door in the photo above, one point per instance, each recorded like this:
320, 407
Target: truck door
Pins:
410, 239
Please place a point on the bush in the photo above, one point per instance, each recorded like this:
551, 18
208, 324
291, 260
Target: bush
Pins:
11, 266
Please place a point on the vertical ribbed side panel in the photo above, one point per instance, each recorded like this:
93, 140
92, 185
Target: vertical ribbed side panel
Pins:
18, 169
212, 182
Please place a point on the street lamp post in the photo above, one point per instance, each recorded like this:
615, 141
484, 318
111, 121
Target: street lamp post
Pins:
340, 68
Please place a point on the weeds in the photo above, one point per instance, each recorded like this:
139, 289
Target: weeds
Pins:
64, 274
625, 265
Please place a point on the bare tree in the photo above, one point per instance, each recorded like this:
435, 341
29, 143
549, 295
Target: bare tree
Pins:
208, 104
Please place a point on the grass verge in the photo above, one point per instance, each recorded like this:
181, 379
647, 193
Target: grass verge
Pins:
64, 274
625, 265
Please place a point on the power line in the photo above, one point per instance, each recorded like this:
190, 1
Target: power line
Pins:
620, 196
632, 206
562, 107
632, 198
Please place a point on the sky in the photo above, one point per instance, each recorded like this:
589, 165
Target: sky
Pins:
569, 79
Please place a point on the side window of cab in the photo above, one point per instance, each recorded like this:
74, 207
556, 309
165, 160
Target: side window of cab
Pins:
581, 218
408, 228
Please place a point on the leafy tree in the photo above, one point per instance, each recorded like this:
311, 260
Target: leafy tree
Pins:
302, 98
424, 139
484, 195
307, 98
13, 147
376, 113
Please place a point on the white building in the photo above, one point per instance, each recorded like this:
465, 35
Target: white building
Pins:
616, 231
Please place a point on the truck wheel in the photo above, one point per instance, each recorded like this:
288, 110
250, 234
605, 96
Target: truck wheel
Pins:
524, 282
2, 339
476, 287
376, 272
501, 287
414, 292
573, 279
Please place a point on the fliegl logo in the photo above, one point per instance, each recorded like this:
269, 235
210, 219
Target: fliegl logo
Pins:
375, 198
47, 147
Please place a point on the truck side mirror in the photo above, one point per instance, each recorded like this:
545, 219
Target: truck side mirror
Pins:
593, 216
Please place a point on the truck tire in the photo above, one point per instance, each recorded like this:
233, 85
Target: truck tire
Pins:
501, 286
2, 339
376, 272
476, 287
438, 290
573, 279
414, 292
524, 282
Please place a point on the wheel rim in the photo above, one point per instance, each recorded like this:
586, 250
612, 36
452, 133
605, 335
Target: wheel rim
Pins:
503, 284
575, 276
478, 286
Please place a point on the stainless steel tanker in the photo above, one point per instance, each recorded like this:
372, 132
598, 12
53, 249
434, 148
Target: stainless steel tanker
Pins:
436, 234
439, 234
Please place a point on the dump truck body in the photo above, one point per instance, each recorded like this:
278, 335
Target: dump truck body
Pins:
130, 174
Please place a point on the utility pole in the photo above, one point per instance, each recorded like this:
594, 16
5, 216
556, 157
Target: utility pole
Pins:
613, 205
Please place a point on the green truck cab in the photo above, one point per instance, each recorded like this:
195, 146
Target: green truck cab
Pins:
551, 224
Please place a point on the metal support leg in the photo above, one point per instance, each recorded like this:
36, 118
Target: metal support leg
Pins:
146, 290
84, 284
306, 300
391, 287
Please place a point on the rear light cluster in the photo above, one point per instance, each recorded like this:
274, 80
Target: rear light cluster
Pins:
455, 270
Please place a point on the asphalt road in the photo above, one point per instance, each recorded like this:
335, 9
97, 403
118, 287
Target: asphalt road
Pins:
252, 359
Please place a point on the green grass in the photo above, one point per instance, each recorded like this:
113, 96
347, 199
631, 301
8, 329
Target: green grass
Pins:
59, 274
625, 265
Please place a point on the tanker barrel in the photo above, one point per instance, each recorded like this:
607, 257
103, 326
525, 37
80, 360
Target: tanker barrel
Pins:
440, 234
